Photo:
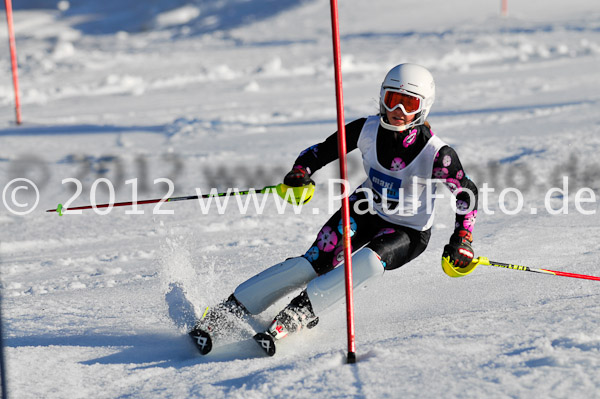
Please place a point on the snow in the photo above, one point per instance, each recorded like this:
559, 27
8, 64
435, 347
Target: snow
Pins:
178, 16
226, 94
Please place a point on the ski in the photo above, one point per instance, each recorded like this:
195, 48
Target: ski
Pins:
202, 340
266, 342
287, 320
216, 322
225, 318
181, 311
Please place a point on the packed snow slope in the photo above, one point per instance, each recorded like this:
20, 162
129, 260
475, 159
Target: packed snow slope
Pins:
218, 94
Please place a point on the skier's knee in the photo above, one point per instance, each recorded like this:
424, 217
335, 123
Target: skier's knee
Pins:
328, 289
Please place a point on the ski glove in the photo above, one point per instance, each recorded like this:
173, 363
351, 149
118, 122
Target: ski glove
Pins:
299, 176
459, 249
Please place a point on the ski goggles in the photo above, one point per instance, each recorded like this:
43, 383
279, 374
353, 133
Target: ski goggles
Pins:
408, 102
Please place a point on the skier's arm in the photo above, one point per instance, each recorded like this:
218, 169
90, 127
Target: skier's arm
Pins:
319, 155
447, 166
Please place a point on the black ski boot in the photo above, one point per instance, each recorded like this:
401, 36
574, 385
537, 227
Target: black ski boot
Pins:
216, 322
297, 315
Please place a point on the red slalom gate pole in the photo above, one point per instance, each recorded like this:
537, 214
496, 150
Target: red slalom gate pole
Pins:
504, 8
13, 57
337, 61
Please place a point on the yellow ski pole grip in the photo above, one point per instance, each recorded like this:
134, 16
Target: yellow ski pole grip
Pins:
454, 271
296, 195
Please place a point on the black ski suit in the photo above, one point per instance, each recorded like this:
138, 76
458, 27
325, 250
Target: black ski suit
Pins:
394, 244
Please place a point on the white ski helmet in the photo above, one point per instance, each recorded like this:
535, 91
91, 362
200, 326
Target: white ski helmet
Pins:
413, 80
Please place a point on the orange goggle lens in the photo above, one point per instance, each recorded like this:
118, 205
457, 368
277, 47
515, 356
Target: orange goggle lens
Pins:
409, 103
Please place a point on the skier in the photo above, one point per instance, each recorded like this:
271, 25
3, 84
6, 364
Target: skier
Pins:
390, 221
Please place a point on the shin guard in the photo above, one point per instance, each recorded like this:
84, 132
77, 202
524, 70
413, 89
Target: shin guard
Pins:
264, 289
329, 288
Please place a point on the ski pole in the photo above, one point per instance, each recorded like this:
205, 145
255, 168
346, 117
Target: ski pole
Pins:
264, 190
294, 195
486, 262
454, 271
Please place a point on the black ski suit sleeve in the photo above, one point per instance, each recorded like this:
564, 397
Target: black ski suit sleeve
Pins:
447, 166
315, 157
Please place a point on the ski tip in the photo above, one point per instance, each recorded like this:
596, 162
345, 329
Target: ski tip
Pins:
202, 340
266, 342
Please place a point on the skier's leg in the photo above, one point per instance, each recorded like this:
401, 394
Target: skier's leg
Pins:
390, 248
327, 251
398, 245
261, 291
264, 289
323, 292
221, 317
251, 297
328, 289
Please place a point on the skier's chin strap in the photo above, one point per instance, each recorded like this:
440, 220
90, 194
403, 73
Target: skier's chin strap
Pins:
383, 121
329, 288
